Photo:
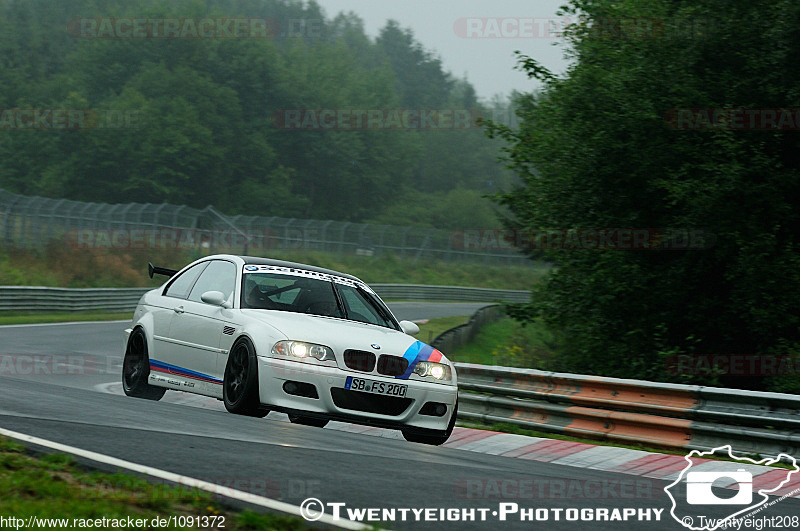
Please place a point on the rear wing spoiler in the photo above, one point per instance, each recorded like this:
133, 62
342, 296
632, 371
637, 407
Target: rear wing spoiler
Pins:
153, 270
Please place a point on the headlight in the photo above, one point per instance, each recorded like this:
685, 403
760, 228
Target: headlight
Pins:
438, 371
302, 350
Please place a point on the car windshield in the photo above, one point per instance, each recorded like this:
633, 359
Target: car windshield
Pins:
315, 294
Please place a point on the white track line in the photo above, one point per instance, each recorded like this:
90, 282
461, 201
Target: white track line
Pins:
181, 480
63, 324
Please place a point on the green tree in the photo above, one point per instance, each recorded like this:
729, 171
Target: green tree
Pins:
597, 149
202, 109
421, 81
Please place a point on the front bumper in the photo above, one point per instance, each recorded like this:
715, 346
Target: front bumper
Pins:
274, 372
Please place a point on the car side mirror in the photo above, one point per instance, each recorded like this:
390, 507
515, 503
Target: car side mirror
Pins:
215, 298
409, 328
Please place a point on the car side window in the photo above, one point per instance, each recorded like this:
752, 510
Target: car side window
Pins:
218, 276
179, 288
266, 291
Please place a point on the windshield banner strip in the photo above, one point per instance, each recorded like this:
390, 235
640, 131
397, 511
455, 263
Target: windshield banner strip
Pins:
279, 270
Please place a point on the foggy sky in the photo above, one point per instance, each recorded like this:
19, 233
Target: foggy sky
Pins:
440, 25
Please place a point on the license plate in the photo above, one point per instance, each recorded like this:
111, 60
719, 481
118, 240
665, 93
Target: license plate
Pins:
378, 388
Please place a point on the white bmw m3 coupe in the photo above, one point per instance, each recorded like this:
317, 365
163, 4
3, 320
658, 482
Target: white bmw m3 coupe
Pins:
267, 335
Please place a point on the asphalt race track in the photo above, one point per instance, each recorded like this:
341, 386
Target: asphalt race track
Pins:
50, 389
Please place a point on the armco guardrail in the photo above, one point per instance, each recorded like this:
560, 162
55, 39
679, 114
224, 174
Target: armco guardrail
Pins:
417, 292
459, 336
631, 411
24, 299
16, 298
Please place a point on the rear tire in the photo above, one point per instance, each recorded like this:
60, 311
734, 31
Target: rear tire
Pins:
240, 383
308, 421
433, 437
136, 369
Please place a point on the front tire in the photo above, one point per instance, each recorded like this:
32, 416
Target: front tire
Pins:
240, 383
307, 421
136, 369
433, 437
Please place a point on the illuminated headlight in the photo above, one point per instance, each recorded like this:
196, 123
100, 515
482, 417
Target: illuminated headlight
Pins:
438, 371
302, 350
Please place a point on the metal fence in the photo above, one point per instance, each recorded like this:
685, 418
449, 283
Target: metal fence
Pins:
40, 299
32, 222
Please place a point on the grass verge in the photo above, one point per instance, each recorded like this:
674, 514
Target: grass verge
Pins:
510, 344
429, 330
62, 266
53, 486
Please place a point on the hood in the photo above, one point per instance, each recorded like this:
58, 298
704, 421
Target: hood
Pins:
338, 334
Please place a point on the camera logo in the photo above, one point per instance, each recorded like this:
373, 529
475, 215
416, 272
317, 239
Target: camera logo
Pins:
705, 483
698, 488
